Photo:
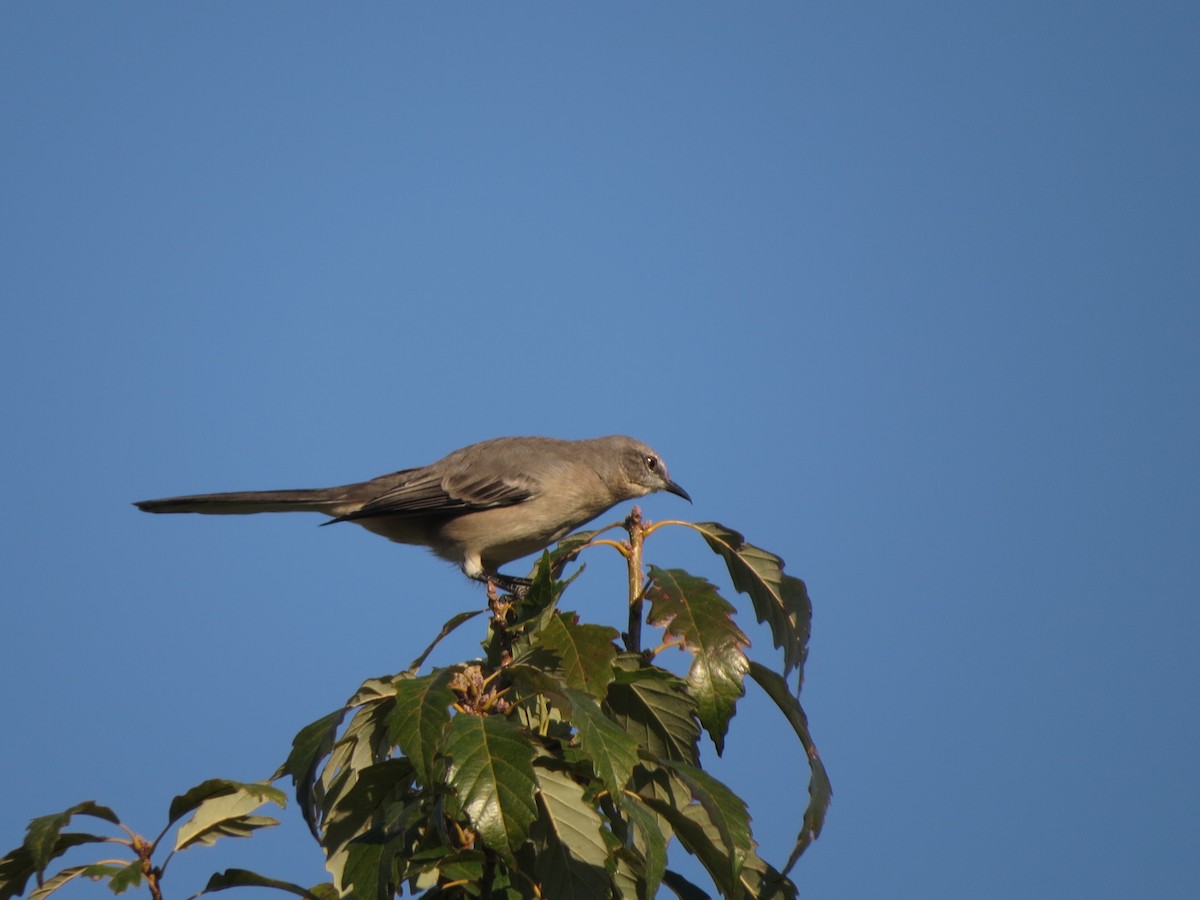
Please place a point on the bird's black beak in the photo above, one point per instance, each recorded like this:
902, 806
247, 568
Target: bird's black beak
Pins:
675, 489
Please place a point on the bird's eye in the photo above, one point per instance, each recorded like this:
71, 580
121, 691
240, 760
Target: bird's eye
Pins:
651, 463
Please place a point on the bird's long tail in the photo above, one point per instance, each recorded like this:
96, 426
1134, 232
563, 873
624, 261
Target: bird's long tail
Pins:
330, 501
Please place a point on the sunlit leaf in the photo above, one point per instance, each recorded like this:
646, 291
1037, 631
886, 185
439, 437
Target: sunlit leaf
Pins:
691, 611
419, 717
227, 813
491, 772
820, 791
53, 883
572, 857
779, 600
220, 787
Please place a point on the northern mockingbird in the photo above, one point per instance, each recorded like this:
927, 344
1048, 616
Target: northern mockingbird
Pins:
480, 507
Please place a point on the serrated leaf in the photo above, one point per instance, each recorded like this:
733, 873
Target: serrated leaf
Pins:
689, 609
42, 833
226, 813
232, 878
649, 841
612, 752
128, 877
418, 719
820, 790
779, 600
585, 652
491, 773
572, 857
653, 706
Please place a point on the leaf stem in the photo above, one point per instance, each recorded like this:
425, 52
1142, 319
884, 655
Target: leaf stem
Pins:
633, 556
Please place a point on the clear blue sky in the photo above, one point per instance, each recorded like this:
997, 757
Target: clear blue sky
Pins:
908, 293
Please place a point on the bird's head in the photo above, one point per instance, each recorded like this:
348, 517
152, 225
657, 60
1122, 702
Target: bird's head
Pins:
642, 470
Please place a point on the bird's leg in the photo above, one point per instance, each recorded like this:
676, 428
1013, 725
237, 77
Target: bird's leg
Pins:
518, 587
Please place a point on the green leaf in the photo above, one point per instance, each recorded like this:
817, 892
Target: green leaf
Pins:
311, 745
364, 807
585, 652
649, 841
16, 867
569, 547
225, 811
41, 837
52, 884
451, 624
491, 772
572, 857
232, 878
690, 610
419, 718
820, 791
221, 787
653, 706
779, 600
682, 888
130, 876
612, 752
725, 810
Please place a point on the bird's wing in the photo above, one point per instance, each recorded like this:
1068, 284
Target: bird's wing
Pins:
418, 492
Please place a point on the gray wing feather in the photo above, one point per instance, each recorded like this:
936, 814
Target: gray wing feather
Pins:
417, 492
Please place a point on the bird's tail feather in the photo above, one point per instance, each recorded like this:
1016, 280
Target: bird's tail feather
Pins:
329, 501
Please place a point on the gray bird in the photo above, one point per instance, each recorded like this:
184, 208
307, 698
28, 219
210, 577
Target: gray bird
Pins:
480, 507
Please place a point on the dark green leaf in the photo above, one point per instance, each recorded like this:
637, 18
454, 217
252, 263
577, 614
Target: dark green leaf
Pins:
682, 888
725, 810
654, 708
311, 745
569, 547
491, 772
452, 623
16, 868
779, 600
690, 610
365, 806
612, 752
572, 857
226, 812
41, 838
419, 718
232, 878
130, 876
820, 791
585, 652
649, 841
